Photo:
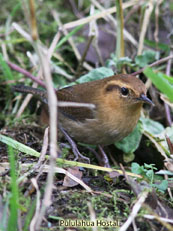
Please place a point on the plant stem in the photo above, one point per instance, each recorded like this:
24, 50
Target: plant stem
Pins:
120, 27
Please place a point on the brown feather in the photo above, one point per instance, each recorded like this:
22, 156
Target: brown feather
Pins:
114, 116
69, 94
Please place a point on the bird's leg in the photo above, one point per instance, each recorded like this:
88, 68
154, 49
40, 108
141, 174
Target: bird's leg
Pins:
73, 145
104, 160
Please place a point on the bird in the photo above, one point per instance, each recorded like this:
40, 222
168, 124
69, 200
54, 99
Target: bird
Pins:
117, 101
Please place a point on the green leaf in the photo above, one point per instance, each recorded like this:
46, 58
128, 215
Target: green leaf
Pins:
169, 78
118, 63
153, 44
136, 168
98, 73
164, 172
146, 58
150, 166
151, 126
128, 157
122, 61
130, 143
150, 174
159, 80
5, 69
162, 186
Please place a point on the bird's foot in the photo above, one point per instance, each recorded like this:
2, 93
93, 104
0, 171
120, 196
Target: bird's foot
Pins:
73, 146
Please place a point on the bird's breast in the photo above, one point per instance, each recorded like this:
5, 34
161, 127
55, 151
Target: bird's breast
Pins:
101, 130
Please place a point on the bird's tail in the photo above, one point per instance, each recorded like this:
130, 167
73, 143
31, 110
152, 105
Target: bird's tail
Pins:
38, 93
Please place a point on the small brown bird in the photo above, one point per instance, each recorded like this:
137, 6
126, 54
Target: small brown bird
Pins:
118, 101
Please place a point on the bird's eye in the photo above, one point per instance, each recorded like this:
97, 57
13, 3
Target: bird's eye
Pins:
124, 91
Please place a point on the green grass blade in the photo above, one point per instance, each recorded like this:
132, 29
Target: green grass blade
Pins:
14, 200
5, 69
15, 9
19, 146
4, 216
13, 41
29, 216
64, 39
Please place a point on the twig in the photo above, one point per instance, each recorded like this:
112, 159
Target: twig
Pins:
159, 148
152, 217
44, 148
98, 15
38, 167
52, 104
148, 11
92, 35
167, 109
92, 215
157, 20
70, 40
37, 211
26, 73
84, 55
134, 225
131, 12
105, 159
94, 31
22, 32
135, 211
25, 102
46, 168
154, 64
170, 144
111, 18
168, 189
163, 221
53, 44
27, 98
80, 164
168, 114
4, 51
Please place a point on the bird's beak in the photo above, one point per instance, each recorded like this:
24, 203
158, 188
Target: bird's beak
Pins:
145, 99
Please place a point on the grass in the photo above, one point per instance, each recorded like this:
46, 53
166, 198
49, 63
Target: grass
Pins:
14, 197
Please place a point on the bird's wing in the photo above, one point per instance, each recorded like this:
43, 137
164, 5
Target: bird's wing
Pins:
69, 94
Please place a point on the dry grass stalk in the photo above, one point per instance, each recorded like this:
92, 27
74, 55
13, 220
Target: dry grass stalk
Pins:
134, 211
148, 11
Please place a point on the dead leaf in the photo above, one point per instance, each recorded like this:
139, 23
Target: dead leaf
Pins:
75, 171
